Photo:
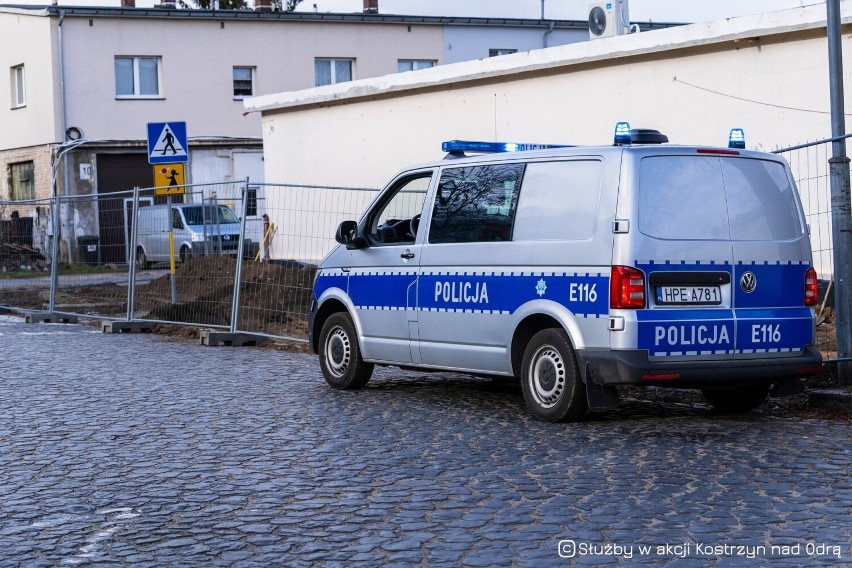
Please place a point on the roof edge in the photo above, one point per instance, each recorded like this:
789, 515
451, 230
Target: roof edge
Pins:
766, 24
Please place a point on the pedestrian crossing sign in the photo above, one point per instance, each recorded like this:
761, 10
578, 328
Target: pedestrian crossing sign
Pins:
167, 143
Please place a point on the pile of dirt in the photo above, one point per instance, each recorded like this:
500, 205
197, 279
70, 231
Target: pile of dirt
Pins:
274, 297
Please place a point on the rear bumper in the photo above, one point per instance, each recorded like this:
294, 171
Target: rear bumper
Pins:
612, 368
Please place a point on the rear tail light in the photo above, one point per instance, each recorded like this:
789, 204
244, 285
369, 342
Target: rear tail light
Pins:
811, 288
626, 288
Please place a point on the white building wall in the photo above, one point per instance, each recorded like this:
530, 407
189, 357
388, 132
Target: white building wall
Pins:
467, 43
29, 41
693, 83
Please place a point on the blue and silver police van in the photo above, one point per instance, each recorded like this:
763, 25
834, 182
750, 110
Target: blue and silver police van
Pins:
576, 270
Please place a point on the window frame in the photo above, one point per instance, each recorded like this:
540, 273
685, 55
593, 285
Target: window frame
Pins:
333, 67
136, 77
16, 182
415, 64
252, 201
401, 185
18, 80
251, 80
497, 52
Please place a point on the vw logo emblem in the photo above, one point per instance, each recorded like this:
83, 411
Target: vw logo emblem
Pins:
748, 282
226, 237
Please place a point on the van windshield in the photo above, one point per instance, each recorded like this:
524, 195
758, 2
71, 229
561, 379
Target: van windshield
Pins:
716, 198
201, 214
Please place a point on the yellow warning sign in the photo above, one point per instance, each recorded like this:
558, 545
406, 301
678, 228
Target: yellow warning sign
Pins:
168, 179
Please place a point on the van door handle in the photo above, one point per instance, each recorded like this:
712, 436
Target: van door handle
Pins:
407, 255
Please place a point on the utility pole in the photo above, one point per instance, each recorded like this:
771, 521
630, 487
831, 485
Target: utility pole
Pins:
841, 203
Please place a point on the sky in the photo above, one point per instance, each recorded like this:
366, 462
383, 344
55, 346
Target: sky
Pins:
639, 10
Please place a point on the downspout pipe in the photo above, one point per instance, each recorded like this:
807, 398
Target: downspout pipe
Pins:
66, 174
62, 75
547, 33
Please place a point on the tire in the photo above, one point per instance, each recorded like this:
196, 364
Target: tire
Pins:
550, 379
141, 260
185, 254
340, 354
737, 399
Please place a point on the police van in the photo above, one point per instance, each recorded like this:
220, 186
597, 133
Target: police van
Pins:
576, 270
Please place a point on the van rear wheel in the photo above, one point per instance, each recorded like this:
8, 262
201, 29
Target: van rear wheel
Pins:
550, 378
340, 354
737, 399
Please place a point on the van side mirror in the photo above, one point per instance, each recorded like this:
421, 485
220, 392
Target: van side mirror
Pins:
347, 234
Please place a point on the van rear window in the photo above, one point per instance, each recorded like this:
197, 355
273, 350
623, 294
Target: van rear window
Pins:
716, 198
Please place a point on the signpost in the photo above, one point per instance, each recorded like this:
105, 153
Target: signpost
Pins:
168, 151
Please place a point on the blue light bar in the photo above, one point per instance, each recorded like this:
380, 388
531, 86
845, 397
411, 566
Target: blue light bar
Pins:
622, 134
737, 139
454, 146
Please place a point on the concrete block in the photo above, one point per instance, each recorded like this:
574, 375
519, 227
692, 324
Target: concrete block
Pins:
126, 327
216, 338
49, 317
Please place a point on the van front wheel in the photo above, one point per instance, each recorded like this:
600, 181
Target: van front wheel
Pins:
550, 379
340, 354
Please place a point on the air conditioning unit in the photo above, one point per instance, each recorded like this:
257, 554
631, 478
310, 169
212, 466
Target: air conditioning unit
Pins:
608, 19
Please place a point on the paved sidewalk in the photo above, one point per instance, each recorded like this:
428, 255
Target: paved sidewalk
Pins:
141, 450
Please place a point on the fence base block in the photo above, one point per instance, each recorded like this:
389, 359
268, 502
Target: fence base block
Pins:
126, 327
49, 317
215, 338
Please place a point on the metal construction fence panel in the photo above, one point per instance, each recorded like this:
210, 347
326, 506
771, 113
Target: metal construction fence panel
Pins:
810, 168
111, 257
26, 239
206, 231
299, 224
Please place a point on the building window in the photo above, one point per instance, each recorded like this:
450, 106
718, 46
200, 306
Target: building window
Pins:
19, 87
21, 181
414, 64
329, 71
243, 82
251, 201
137, 77
496, 52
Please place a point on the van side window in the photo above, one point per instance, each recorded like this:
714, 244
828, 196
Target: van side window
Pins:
476, 204
398, 218
559, 201
177, 223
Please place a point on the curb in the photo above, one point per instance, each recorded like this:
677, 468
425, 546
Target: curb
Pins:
832, 399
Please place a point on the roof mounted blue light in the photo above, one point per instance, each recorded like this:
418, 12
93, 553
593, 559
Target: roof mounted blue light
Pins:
622, 134
459, 146
737, 139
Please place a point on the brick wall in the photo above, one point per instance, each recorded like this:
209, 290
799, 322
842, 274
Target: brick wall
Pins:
40, 156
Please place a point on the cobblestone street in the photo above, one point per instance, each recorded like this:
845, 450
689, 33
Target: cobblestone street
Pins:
148, 450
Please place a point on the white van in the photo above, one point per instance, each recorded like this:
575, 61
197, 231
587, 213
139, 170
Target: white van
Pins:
199, 230
579, 269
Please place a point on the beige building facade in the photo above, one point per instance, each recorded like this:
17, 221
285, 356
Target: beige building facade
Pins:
82, 84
